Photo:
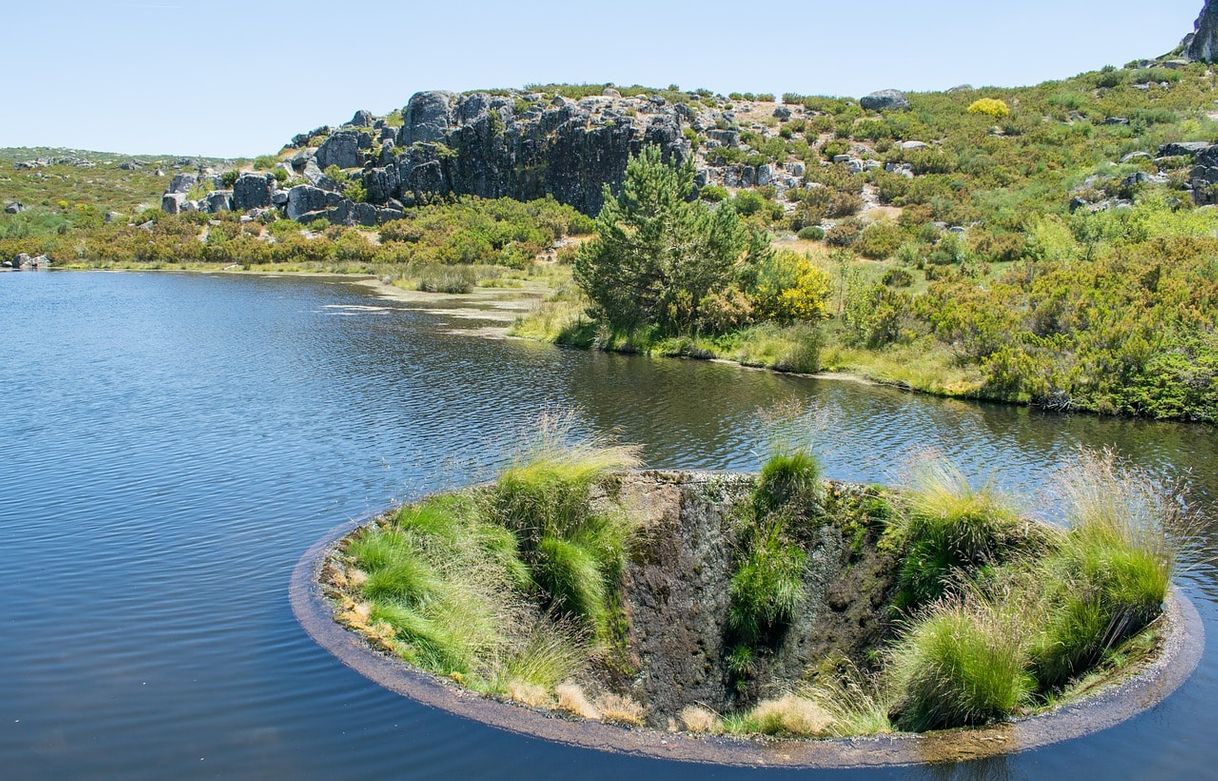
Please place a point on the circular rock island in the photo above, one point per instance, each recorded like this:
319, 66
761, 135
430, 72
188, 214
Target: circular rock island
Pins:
771, 619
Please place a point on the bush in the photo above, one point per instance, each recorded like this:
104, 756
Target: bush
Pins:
896, 277
811, 233
845, 233
879, 240
790, 288
990, 107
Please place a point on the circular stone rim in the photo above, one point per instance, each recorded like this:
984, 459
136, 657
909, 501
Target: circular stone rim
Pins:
1182, 649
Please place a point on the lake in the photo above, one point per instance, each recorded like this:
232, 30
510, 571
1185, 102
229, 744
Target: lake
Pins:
170, 444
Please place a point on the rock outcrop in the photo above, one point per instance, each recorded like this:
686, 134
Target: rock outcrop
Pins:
1202, 43
885, 100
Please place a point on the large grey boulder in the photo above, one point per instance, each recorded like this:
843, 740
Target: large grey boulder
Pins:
16, 207
362, 118
1202, 43
1183, 148
219, 201
252, 191
885, 100
182, 183
305, 199
428, 116
171, 203
341, 149
381, 183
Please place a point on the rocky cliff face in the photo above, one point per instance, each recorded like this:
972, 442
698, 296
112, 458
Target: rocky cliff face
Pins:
1202, 43
516, 144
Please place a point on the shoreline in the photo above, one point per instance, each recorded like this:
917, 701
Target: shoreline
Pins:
373, 284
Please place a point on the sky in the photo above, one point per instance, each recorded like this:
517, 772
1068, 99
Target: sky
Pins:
232, 78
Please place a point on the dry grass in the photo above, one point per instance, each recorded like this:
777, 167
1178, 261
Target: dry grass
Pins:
700, 720
791, 715
571, 698
621, 710
531, 694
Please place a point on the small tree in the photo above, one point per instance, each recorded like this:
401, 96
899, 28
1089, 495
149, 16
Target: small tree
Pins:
657, 253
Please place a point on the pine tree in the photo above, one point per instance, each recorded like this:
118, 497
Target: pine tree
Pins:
658, 253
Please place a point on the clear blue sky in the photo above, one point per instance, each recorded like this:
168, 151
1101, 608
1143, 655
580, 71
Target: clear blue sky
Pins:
239, 78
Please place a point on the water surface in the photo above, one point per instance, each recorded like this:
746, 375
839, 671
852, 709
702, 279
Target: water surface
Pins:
170, 444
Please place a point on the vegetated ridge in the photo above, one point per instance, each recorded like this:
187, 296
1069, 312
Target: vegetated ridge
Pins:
1051, 245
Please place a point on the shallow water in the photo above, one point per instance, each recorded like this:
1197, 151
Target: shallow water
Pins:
170, 444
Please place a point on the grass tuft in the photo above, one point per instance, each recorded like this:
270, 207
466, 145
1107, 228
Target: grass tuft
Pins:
948, 530
961, 666
790, 715
571, 698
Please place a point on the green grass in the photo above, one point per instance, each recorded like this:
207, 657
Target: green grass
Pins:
961, 666
948, 530
574, 551
788, 478
1111, 574
767, 589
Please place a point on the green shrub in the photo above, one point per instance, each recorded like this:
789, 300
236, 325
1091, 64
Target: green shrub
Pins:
879, 240
896, 277
811, 233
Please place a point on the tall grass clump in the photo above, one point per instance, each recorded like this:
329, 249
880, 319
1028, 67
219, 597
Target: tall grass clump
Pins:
574, 551
948, 529
856, 701
1112, 571
961, 665
434, 589
767, 587
789, 477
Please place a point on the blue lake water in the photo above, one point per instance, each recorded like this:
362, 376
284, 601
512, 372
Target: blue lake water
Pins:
170, 444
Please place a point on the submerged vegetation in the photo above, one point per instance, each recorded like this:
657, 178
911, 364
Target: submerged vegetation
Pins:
531, 589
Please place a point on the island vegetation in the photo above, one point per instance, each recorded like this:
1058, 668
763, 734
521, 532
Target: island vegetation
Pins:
958, 611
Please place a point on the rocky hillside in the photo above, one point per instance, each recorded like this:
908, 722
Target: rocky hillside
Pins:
516, 144
569, 142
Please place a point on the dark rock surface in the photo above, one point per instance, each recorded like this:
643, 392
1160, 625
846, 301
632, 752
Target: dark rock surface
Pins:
253, 191
341, 149
676, 592
1202, 43
885, 100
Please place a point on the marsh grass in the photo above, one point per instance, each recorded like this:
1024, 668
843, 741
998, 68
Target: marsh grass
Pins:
790, 715
574, 551
948, 529
856, 700
961, 665
1112, 571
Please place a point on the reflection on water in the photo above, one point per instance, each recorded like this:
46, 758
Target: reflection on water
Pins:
170, 445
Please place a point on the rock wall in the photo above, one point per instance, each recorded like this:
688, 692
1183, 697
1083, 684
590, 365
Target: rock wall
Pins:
1202, 43
676, 592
